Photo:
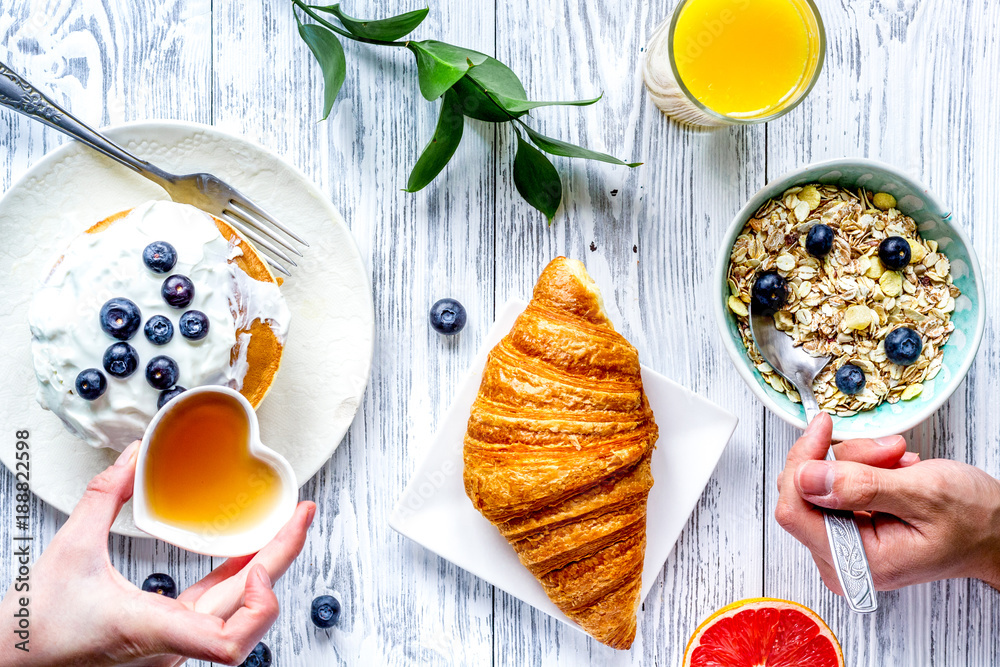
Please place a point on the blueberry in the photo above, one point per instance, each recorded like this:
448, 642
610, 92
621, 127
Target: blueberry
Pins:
819, 241
91, 384
168, 395
260, 656
121, 360
178, 291
903, 346
120, 318
325, 611
158, 330
850, 379
193, 325
448, 317
161, 584
769, 293
894, 251
161, 372
159, 256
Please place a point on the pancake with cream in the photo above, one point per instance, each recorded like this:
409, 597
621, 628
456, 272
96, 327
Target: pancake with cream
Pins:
246, 314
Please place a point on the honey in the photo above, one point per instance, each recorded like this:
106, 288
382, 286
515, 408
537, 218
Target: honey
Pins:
200, 474
746, 58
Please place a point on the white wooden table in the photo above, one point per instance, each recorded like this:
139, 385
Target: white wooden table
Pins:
912, 82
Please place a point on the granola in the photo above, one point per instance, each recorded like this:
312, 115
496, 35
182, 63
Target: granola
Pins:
845, 304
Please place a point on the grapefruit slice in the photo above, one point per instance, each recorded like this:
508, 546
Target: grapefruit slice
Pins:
763, 632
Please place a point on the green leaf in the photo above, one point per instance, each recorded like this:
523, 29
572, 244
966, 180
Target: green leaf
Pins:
557, 147
386, 30
505, 92
517, 105
440, 65
476, 103
330, 55
496, 78
536, 179
478, 88
446, 138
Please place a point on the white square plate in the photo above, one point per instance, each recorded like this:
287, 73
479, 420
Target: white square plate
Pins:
435, 512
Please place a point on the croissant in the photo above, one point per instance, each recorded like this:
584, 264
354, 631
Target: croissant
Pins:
557, 453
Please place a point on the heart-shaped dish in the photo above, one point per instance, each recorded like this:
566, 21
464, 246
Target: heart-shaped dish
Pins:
205, 482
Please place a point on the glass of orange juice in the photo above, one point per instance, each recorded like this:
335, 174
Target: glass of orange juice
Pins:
728, 62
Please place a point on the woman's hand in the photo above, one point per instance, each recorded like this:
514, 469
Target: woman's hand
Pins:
920, 520
83, 612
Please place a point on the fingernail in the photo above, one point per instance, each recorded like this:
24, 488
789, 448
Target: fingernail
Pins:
126, 456
909, 458
310, 514
889, 440
262, 575
815, 478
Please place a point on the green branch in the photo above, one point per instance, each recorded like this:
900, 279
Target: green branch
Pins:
309, 10
472, 85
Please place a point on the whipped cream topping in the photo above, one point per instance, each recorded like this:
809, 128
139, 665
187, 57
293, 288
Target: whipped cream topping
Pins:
256, 300
66, 329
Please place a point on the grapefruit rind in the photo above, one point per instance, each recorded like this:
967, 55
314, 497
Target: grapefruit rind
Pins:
733, 608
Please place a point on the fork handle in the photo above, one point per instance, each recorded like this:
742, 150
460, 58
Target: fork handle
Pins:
18, 94
849, 559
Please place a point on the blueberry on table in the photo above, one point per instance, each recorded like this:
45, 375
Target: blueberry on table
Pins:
325, 611
850, 379
769, 293
158, 330
178, 291
120, 318
162, 372
447, 317
193, 325
260, 656
819, 240
161, 584
169, 394
159, 256
91, 384
121, 360
903, 346
894, 251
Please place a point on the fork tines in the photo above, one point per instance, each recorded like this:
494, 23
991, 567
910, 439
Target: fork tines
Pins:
256, 224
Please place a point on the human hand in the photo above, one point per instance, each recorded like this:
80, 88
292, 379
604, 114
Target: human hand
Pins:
83, 612
920, 521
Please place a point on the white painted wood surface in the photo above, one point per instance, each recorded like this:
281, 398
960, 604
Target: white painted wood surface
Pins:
911, 82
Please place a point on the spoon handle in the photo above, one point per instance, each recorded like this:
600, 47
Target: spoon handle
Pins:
804, 385
849, 559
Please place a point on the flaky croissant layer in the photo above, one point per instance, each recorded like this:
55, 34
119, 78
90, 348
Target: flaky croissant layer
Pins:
557, 453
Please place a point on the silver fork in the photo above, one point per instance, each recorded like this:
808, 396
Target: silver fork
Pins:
204, 191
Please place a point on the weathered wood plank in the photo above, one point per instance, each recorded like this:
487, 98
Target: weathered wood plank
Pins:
642, 234
402, 605
912, 84
108, 63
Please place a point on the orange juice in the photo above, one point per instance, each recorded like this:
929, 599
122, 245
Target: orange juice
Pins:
200, 474
746, 58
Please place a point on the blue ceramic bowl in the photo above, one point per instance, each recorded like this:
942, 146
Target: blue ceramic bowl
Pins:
934, 221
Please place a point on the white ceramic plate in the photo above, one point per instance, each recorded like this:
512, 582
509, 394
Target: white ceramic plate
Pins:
435, 512
327, 360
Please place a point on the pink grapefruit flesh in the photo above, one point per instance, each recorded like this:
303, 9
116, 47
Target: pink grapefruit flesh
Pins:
763, 632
